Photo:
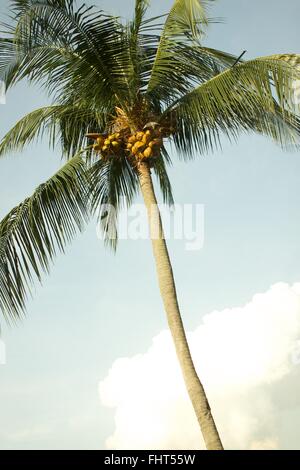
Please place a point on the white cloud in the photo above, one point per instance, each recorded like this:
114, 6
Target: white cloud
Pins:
244, 358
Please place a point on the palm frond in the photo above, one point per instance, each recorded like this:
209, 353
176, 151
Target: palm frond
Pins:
254, 96
141, 7
56, 45
32, 233
195, 63
132, 34
187, 18
64, 124
160, 170
184, 24
114, 183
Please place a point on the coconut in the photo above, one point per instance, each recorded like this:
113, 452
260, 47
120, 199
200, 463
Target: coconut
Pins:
139, 135
145, 139
137, 146
148, 152
134, 150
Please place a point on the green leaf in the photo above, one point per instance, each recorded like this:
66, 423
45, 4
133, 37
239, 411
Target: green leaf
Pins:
254, 96
63, 124
160, 169
185, 24
114, 183
32, 232
141, 7
54, 45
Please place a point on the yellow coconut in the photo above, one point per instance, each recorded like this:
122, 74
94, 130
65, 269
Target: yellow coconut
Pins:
145, 139
132, 139
148, 133
115, 143
107, 142
134, 150
104, 148
148, 152
137, 146
139, 135
129, 146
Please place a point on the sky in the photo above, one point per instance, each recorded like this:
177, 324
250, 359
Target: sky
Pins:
91, 366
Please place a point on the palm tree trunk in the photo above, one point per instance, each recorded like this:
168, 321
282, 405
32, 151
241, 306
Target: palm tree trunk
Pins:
169, 296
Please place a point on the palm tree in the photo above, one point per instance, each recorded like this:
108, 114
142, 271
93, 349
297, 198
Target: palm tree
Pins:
120, 91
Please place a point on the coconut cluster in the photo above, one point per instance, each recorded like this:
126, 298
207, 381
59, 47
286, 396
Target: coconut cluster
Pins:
107, 144
138, 146
144, 144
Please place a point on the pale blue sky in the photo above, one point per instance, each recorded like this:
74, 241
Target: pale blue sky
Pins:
95, 306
